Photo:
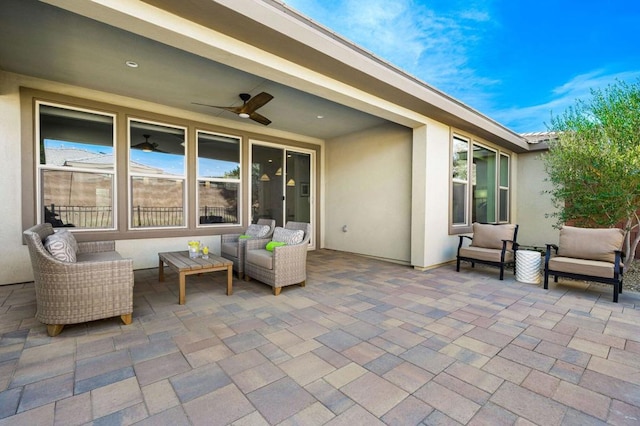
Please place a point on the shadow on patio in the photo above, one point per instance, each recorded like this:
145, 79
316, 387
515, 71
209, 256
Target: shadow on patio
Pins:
365, 342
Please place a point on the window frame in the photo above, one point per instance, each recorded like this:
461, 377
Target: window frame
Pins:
199, 179
39, 168
499, 154
131, 175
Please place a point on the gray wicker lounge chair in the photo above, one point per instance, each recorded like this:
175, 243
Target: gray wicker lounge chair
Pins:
233, 247
285, 265
99, 284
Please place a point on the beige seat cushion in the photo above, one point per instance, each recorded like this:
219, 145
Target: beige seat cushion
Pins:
262, 258
230, 248
594, 268
486, 254
590, 243
491, 236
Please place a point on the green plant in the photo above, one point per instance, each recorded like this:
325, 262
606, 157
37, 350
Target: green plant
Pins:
594, 164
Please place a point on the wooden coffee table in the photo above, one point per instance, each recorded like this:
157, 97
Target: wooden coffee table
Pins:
180, 262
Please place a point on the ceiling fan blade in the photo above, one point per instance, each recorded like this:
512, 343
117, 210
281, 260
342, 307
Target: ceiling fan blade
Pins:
256, 102
259, 118
235, 110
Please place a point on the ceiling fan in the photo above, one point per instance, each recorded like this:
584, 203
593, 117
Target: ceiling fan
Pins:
147, 146
249, 107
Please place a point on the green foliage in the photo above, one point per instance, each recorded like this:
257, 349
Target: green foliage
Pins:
594, 165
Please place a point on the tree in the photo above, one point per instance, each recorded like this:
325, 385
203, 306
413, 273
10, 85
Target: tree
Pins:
594, 164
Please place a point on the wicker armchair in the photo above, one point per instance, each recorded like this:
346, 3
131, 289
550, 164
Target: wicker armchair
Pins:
233, 247
285, 265
98, 285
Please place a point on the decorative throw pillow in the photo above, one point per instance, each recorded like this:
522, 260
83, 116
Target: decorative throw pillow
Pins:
288, 236
60, 247
273, 244
68, 236
257, 231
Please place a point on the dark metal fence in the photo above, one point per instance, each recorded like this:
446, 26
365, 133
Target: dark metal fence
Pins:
79, 216
102, 216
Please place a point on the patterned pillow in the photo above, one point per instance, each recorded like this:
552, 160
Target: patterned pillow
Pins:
288, 236
68, 236
61, 247
257, 231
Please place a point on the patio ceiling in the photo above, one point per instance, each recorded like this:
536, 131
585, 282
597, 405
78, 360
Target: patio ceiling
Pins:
87, 44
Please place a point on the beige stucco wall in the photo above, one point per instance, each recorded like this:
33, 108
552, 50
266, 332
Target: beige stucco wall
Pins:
532, 205
368, 190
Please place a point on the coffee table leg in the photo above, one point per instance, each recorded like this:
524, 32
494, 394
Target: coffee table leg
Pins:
182, 289
161, 271
229, 280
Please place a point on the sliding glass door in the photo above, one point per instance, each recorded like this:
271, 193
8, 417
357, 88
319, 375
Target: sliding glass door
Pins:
281, 184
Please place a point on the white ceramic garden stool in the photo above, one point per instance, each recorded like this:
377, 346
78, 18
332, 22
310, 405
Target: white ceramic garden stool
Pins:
528, 266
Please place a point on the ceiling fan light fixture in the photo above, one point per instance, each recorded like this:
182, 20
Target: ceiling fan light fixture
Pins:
243, 115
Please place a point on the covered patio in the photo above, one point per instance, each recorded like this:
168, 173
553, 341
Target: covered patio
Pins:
365, 342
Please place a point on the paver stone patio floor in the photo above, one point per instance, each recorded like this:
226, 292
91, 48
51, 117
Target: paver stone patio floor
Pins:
365, 342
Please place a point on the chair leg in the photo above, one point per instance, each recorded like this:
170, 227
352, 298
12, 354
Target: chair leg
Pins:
126, 318
458, 265
276, 291
54, 329
303, 283
616, 289
546, 280
501, 272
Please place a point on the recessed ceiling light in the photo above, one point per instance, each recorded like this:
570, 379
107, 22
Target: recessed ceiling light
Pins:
132, 64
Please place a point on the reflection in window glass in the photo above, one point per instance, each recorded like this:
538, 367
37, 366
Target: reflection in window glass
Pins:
76, 167
157, 170
77, 199
156, 202
484, 181
504, 188
218, 178
484, 185
460, 173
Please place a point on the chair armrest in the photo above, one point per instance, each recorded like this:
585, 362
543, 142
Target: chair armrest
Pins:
230, 238
462, 237
256, 243
289, 254
514, 245
617, 269
547, 255
96, 246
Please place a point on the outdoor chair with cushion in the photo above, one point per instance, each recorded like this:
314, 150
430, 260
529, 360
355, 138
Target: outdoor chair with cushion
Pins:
491, 244
589, 254
77, 282
281, 261
233, 245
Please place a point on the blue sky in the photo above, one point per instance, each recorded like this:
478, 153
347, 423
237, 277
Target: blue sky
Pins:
515, 61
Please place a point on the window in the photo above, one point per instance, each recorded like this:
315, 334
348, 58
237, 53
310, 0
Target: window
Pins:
113, 172
480, 188
460, 171
218, 178
75, 167
157, 173
504, 189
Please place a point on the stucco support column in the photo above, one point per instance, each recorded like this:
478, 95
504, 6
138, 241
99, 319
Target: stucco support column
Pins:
431, 244
419, 198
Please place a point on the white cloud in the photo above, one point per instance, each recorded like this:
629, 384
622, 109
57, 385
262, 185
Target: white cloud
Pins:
535, 117
434, 47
